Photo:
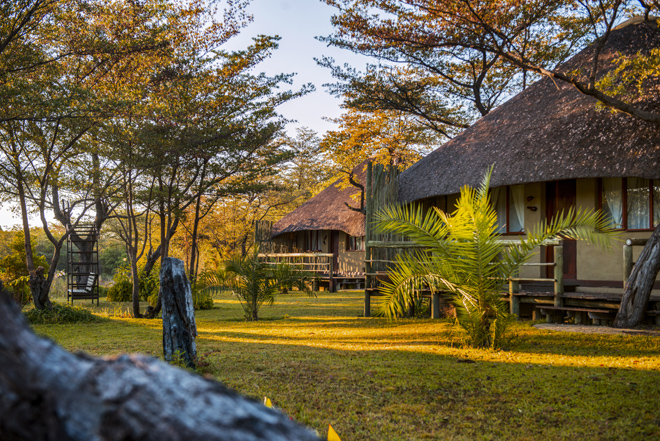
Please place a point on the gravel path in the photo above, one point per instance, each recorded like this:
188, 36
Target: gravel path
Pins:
590, 329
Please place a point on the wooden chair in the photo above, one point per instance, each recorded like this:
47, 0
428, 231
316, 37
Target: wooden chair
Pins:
87, 291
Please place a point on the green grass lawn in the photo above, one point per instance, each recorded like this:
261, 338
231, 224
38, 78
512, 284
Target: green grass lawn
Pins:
374, 379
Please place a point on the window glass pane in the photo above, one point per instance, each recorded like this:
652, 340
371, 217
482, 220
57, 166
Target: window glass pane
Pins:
613, 201
498, 199
516, 208
656, 203
356, 243
638, 203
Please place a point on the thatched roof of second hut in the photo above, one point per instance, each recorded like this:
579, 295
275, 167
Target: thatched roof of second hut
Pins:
328, 211
550, 131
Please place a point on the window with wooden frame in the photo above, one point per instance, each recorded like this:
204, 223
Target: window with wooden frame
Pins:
630, 203
509, 203
355, 243
313, 241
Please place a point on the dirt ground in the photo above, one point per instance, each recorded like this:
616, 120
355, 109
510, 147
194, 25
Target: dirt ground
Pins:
591, 329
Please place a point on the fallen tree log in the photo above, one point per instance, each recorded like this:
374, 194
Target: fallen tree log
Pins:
47, 393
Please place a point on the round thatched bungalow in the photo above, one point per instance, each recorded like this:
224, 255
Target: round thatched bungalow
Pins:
552, 147
326, 224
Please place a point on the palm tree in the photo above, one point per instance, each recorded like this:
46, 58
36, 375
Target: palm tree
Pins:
463, 254
255, 282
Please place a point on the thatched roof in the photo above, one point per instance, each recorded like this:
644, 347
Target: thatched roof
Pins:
550, 131
328, 211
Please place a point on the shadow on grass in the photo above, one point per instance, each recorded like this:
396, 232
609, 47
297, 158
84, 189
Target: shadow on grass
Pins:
353, 374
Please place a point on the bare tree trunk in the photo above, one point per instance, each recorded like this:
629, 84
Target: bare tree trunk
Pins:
193, 247
639, 285
135, 278
152, 258
50, 394
38, 283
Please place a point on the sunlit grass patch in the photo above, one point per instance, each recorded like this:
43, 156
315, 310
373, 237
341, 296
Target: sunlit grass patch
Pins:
375, 379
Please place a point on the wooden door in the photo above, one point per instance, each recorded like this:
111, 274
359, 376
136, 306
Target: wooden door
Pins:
334, 249
560, 197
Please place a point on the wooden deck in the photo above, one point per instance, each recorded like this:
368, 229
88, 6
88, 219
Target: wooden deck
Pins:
580, 307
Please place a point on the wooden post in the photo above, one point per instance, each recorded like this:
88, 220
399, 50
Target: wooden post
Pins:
368, 280
331, 282
559, 274
627, 261
514, 301
516, 283
435, 305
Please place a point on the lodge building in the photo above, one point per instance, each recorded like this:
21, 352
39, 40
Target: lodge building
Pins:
551, 148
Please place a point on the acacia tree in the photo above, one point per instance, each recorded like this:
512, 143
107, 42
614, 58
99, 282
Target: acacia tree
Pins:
308, 169
63, 75
86, 66
210, 131
392, 138
445, 86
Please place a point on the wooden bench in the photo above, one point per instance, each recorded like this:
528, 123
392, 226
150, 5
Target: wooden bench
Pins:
598, 316
86, 292
343, 280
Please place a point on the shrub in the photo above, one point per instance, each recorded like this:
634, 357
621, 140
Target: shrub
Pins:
202, 299
61, 314
120, 292
254, 282
149, 285
153, 299
21, 290
103, 291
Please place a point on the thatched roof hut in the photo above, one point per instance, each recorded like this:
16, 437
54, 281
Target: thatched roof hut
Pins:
328, 211
550, 131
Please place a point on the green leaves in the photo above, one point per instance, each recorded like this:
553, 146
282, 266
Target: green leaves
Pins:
255, 281
463, 255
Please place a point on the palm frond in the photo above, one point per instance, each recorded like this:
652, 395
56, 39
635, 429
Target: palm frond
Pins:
464, 255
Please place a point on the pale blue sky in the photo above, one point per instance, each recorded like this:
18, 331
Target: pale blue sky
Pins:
297, 22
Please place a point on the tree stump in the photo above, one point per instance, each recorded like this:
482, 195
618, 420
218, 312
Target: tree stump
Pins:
179, 328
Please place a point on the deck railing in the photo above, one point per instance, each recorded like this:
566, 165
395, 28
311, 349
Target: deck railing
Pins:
557, 279
514, 282
321, 264
628, 256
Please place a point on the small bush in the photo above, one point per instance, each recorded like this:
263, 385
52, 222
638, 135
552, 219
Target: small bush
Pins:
21, 290
103, 291
121, 292
148, 284
61, 314
153, 299
202, 299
